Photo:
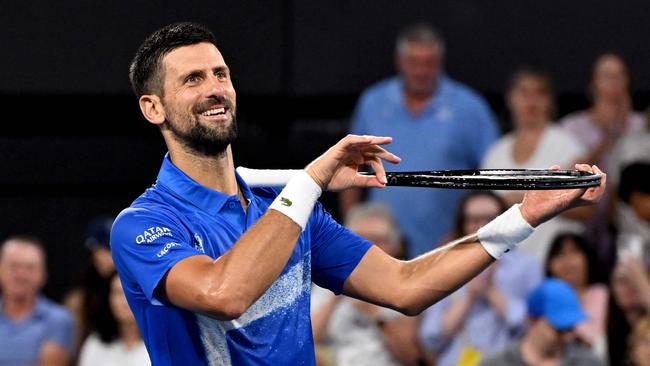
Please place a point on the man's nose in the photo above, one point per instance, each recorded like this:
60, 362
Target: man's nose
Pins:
215, 87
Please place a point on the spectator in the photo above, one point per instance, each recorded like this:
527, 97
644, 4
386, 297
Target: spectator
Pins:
88, 300
534, 144
436, 123
357, 332
633, 211
629, 302
611, 115
33, 330
598, 128
554, 311
485, 315
117, 340
639, 343
572, 260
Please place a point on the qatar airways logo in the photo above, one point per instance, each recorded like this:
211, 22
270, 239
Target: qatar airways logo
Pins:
153, 233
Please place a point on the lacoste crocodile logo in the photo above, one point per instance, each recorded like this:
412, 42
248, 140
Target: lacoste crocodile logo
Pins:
285, 201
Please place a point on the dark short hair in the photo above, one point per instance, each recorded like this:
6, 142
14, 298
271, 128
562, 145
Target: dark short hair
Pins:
634, 178
594, 273
460, 219
529, 71
146, 72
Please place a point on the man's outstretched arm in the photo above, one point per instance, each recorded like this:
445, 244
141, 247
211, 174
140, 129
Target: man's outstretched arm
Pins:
225, 288
412, 286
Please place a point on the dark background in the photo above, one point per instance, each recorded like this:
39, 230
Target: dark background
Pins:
74, 145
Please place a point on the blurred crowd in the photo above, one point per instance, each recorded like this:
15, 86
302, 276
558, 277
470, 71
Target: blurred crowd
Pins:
574, 293
577, 292
93, 327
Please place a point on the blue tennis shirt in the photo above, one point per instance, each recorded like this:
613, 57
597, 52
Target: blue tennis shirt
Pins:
178, 218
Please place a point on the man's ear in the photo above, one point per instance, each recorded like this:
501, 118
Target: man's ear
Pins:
152, 109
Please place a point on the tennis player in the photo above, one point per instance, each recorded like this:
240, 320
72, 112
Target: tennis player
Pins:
218, 273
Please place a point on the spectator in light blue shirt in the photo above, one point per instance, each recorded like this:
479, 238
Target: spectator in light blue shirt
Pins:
436, 123
33, 330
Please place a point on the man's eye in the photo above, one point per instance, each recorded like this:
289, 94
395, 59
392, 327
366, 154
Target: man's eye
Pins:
222, 75
192, 79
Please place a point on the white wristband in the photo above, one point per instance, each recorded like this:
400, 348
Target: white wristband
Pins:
266, 177
297, 199
504, 232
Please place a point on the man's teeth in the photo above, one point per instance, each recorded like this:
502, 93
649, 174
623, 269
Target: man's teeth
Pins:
212, 112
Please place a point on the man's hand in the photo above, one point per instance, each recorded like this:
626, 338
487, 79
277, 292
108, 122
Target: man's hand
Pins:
337, 169
540, 206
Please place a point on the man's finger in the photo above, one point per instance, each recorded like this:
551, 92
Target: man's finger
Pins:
584, 167
356, 140
368, 181
378, 167
376, 151
603, 177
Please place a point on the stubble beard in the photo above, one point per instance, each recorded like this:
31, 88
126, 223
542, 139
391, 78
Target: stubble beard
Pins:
200, 139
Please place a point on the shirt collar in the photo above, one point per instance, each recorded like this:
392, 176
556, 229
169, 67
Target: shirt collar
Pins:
207, 199
38, 311
396, 92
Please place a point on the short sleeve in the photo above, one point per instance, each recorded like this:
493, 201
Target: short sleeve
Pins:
146, 244
61, 329
335, 250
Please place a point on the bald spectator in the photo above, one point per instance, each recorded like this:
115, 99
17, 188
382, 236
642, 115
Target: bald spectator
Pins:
33, 330
436, 123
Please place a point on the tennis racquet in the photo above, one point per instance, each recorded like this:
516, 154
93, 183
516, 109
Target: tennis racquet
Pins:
501, 179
